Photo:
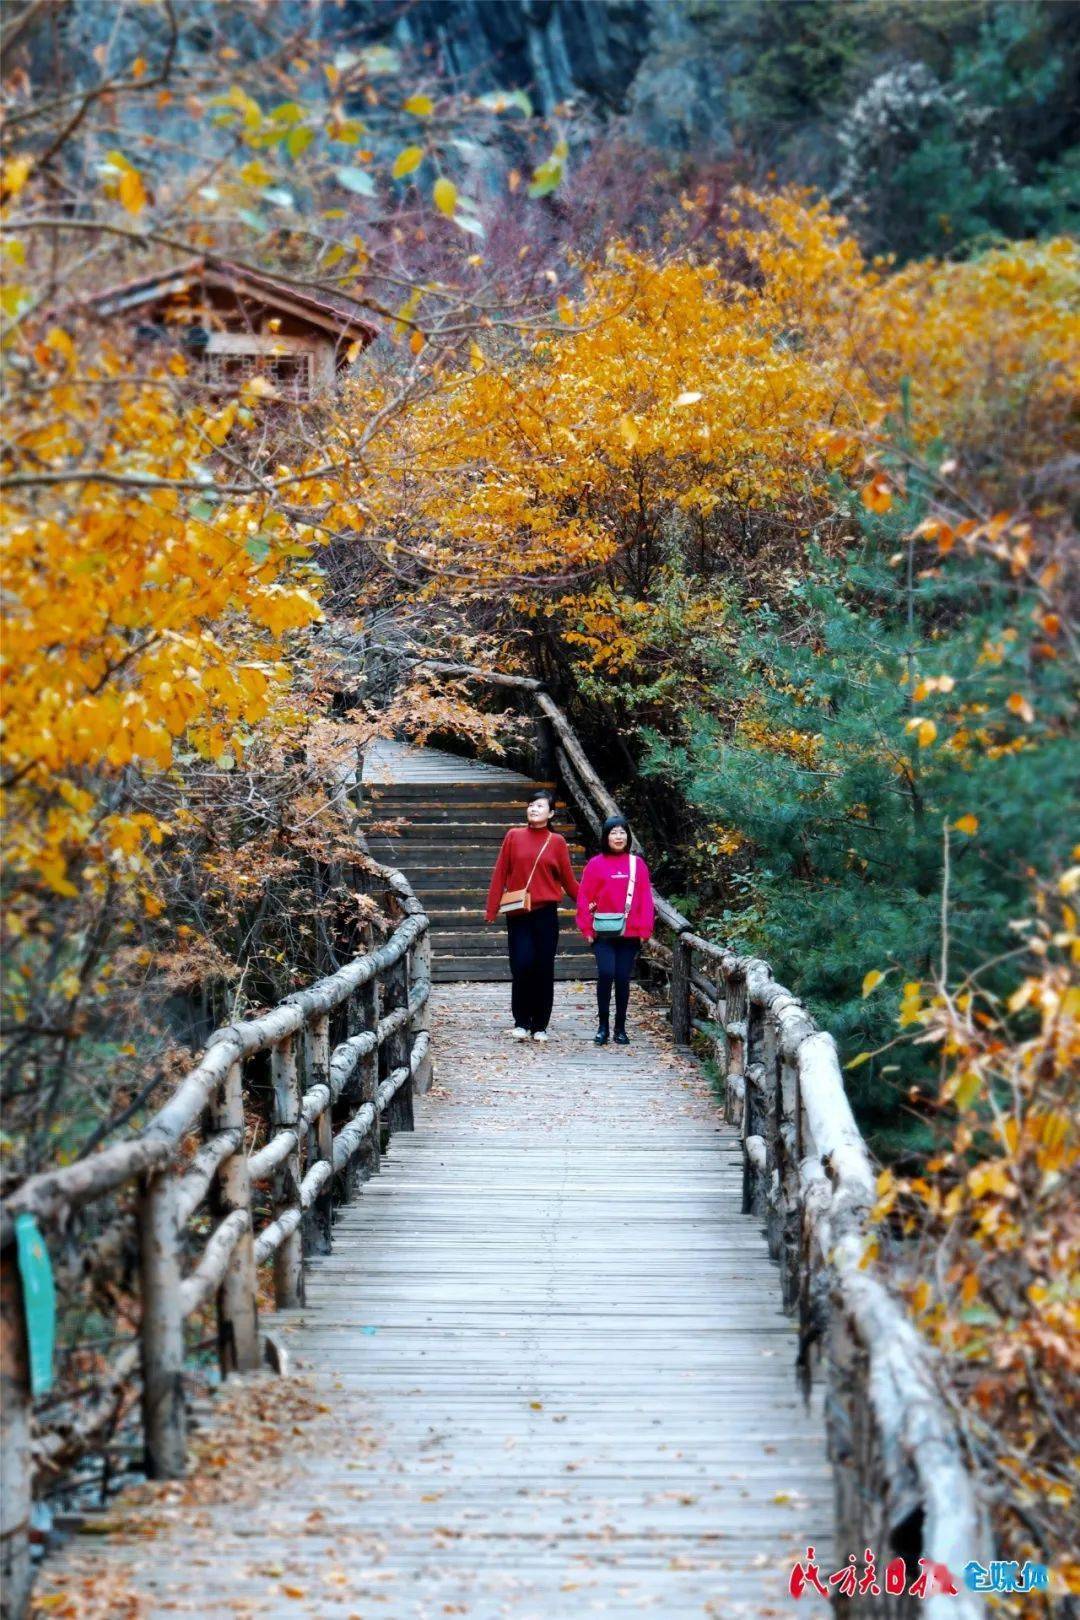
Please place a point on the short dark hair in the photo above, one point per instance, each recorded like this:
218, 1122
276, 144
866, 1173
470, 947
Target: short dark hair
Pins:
543, 793
608, 828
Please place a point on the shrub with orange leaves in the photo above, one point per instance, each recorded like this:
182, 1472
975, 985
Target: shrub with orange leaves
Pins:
144, 620
990, 1231
701, 408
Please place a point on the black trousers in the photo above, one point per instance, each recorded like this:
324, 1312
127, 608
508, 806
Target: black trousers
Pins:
615, 958
532, 938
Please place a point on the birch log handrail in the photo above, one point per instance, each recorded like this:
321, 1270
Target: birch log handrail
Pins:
900, 1474
373, 1011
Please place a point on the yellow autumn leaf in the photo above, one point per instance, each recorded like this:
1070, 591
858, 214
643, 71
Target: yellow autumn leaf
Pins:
259, 387
877, 496
12, 297
416, 342
445, 194
220, 426
279, 610
256, 173
132, 191
1020, 997
968, 1089
628, 431
858, 1061
420, 106
871, 981
923, 730
691, 397
476, 356
1017, 704
14, 175
60, 342
407, 161
967, 824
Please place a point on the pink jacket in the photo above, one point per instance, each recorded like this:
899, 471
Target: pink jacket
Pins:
603, 888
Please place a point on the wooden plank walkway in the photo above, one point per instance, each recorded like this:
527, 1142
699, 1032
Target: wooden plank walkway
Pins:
552, 1374
386, 761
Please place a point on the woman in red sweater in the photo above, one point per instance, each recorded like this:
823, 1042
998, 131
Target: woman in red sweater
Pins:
535, 858
615, 882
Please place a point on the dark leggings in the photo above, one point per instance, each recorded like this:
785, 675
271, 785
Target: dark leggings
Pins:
532, 938
615, 958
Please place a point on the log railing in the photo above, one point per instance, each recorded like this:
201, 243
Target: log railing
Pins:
343, 1059
902, 1485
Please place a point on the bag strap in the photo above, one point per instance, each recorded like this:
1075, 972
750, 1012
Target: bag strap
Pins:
536, 863
630, 888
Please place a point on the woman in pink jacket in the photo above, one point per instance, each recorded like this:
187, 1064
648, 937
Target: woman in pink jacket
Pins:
615, 913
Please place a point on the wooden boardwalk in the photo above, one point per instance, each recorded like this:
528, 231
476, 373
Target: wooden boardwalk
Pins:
550, 1371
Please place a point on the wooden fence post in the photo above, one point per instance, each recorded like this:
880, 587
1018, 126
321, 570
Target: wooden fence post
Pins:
161, 1329
319, 1219
736, 1008
16, 1479
394, 1052
788, 1162
289, 1256
237, 1303
680, 991
422, 975
368, 1000
770, 1092
348, 1023
758, 1097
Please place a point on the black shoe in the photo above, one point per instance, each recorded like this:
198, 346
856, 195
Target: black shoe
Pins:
621, 1038
601, 1036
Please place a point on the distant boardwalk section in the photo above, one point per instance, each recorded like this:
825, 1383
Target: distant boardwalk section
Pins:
441, 819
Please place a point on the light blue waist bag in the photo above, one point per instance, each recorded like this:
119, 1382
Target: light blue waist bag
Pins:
614, 922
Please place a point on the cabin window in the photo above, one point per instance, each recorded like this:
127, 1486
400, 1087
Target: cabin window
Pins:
290, 373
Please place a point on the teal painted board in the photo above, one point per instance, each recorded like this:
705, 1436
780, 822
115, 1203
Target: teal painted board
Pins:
39, 1301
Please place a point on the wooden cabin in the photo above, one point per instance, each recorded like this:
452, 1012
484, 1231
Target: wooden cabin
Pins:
233, 323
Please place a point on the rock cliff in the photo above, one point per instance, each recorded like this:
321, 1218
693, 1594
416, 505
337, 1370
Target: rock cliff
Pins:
645, 62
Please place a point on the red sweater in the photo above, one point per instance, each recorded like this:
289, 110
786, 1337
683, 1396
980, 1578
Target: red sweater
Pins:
554, 875
604, 883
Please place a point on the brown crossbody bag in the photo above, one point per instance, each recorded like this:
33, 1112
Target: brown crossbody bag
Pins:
520, 899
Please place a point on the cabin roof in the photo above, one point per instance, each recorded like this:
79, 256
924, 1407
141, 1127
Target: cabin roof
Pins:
338, 317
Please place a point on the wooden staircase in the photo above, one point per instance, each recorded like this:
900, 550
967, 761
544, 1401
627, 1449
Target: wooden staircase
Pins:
440, 820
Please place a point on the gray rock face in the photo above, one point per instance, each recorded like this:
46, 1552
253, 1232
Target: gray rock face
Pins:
644, 62
555, 49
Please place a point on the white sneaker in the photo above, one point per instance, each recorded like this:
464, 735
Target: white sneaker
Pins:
519, 1034
540, 1035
